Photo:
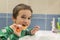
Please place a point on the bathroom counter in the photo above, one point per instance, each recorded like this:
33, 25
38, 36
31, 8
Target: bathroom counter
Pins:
43, 35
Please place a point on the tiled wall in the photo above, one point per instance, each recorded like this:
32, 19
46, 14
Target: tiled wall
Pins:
43, 20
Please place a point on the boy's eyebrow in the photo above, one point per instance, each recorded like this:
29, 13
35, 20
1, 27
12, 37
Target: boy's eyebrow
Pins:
25, 15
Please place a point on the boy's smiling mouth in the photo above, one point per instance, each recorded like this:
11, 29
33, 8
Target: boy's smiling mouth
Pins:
24, 26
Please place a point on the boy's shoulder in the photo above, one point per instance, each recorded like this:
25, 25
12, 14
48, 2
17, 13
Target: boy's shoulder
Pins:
6, 29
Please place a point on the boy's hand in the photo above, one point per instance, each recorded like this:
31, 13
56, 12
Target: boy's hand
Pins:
35, 29
17, 30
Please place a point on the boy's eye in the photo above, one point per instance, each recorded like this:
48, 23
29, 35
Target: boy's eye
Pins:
23, 17
29, 18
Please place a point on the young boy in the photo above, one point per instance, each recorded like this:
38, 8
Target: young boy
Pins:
22, 18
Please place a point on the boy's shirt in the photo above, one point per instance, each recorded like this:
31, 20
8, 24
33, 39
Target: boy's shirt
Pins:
8, 34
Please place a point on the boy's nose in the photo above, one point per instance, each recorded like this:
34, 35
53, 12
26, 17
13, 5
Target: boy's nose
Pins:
25, 21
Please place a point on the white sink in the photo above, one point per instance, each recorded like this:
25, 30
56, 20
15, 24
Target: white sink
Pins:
42, 35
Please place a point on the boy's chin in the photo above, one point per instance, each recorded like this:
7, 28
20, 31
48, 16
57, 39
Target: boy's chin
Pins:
24, 27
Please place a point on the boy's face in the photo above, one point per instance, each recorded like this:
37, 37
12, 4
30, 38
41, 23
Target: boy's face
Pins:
23, 18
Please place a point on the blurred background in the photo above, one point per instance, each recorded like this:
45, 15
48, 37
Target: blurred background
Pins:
44, 12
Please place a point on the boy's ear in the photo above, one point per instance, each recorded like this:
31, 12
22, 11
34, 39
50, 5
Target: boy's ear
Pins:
13, 19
